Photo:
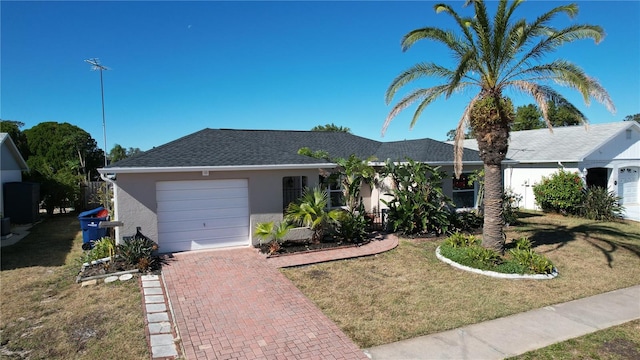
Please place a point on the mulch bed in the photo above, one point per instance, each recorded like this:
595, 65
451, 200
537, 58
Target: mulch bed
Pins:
298, 246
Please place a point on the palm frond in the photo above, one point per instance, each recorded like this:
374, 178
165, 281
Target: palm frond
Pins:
421, 70
458, 142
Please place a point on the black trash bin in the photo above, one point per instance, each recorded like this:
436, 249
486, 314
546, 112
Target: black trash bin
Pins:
89, 221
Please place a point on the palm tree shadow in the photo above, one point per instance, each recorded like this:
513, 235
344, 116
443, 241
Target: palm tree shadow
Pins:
597, 235
559, 236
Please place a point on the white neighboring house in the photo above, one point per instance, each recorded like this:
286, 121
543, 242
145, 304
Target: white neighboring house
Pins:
12, 165
606, 155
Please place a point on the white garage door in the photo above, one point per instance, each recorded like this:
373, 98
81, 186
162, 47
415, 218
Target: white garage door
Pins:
194, 215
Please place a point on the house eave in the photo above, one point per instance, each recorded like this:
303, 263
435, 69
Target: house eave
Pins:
180, 169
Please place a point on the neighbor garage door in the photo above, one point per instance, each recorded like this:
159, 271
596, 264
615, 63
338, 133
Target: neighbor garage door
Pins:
194, 215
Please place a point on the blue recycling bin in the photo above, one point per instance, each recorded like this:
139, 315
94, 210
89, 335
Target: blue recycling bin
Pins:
89, 221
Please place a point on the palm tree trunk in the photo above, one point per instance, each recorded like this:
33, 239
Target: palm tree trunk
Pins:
492, 232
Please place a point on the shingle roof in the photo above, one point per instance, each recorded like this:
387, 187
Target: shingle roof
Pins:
227, 147
571, 143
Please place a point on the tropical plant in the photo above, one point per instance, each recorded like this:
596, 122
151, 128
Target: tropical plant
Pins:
562, 192
139, 251
601, 204
510, 202
418, 204
311, 211
494, 56
352, 225
273, 234
104, 247
457, 240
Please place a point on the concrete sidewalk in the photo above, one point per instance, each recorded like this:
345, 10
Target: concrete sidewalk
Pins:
517, 334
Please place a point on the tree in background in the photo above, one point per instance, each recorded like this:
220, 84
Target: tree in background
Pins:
12, 127
634, 117
493, 55
528, 117
331, 128
118, 153
563, 115
61, 157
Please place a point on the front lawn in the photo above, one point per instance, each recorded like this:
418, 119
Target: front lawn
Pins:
408, 292
47, 315
615, 343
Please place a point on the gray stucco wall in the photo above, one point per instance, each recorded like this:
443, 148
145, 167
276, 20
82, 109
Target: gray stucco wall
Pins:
136, 196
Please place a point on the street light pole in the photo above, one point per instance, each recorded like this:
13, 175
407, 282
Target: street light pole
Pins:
95, 65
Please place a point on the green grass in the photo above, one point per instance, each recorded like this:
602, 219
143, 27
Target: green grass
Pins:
46, 315
408, 292
616, 343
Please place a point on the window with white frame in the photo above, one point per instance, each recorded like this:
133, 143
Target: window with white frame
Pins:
333, 185
464, 191
292, 188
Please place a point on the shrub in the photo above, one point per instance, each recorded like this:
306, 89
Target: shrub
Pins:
139, 251
418, 204
460, 240
352, 226
102, 248
509, 206
562, 192
467, 250
534, 262
600, 204
465, 221
274, 234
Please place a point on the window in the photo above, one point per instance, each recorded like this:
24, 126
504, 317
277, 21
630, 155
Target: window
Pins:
333, 185
464, 192
292, 187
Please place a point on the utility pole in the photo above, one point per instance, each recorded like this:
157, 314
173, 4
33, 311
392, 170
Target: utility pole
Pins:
95, 65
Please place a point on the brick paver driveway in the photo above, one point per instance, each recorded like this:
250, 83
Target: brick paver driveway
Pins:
230, 304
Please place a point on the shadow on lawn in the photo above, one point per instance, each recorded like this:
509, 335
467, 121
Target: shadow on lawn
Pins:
605, 238
48, 244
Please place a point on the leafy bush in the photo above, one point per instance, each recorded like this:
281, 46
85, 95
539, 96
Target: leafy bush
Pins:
562, 192
272, 233
352, 226
465, 221
523, 244
418, 204
466, 250
534, 262
509, 206
600, 204
138, 251
102, 248
457, 240
310, 210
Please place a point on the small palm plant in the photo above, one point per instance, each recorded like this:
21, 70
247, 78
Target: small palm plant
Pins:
311, 211
274, 234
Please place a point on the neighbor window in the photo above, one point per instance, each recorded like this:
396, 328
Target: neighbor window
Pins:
292, 187
464, 192
333, 185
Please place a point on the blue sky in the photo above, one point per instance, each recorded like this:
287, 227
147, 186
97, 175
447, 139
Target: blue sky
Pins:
179, 67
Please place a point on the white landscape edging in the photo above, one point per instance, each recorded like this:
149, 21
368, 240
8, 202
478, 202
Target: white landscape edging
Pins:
496, 274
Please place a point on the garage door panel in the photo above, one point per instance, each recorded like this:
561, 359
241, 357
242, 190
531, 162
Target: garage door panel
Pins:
201, 194
202, 225
193, 205
203, 214
191, 235
198, 245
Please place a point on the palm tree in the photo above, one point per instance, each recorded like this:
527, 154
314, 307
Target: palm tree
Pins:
310, 210
493, 57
